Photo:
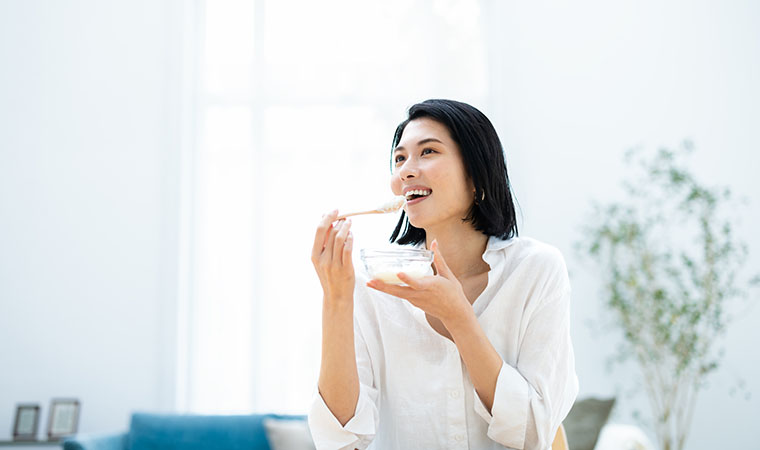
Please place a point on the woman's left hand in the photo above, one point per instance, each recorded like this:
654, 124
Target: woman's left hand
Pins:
439, 295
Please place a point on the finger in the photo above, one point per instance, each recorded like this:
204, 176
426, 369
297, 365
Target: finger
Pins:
347, 249
392, 289
320, 235
440, 264
331, 239
331, 217
340, 240
416, 284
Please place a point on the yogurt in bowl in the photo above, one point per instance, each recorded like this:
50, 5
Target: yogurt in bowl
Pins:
384, 264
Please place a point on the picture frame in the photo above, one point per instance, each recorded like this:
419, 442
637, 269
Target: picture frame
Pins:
26, 422
63, 419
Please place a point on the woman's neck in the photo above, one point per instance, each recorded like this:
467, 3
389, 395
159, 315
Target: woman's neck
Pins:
462, 247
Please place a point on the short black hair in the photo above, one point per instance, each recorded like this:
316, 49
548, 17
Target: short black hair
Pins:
492, 212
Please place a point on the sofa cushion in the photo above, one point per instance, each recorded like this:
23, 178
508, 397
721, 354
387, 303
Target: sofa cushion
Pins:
197, 432
288, 434
585, 420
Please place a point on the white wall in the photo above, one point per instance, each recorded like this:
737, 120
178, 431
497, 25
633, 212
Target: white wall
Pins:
88, 206
575, 84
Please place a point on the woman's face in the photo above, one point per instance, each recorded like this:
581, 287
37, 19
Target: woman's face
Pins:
429, 171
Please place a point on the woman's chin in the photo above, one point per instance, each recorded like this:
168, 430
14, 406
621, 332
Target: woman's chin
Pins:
416, 221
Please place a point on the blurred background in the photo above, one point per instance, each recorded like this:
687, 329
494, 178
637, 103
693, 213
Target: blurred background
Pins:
163, 165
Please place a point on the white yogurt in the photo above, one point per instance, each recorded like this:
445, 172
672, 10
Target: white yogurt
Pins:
388, 273
393, 205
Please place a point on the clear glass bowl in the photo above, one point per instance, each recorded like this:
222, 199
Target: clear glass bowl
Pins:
384, 264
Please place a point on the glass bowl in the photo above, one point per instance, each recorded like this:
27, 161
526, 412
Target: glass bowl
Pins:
384, 264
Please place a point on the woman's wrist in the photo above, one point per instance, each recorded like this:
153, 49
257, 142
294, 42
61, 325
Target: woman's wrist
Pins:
338, 303
462, 320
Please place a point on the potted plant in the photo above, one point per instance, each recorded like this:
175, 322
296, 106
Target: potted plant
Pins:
671, 265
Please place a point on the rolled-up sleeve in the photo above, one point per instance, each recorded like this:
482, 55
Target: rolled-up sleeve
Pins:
326, 430
532, 398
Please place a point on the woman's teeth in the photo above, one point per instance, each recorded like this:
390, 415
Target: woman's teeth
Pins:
417, 193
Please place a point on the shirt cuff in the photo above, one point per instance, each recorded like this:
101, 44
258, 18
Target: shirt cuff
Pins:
511, 404
327, 431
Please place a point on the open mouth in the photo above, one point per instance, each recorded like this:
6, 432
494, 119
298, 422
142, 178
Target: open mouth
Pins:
416, 194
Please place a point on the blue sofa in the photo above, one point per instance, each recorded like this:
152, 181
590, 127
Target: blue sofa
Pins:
182, 432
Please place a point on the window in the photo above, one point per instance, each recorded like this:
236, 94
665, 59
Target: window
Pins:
296, 106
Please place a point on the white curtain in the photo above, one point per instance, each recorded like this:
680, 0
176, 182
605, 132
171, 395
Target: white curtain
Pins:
295, 105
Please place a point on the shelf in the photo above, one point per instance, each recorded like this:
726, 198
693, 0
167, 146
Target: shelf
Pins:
31, 443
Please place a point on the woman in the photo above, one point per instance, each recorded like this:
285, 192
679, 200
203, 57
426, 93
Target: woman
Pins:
476, 356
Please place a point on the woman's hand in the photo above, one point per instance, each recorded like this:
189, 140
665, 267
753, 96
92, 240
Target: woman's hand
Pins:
331, 256
439, 295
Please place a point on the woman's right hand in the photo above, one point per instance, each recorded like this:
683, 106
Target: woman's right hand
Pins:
331, 257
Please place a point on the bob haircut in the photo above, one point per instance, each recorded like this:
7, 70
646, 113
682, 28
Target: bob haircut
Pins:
492, 211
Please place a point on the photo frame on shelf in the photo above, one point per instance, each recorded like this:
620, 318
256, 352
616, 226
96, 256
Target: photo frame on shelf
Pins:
64, 418
26, 422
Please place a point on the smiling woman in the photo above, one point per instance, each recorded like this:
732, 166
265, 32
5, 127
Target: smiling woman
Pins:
481, 159
440, 160
477, 354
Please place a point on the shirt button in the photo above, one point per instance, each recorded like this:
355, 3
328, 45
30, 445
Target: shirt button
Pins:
454, 394
459, 437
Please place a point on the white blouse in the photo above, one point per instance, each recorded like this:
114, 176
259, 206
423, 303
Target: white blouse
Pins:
415, 392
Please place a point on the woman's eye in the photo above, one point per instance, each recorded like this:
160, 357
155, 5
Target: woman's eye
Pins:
398, 159
427, 150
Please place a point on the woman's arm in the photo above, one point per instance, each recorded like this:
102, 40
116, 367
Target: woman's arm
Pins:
344, 413
338, 376
479, 355
535, 392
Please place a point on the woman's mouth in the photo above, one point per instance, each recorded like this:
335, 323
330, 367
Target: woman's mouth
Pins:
417, 195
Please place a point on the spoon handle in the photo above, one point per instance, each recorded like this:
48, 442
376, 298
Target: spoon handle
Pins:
373, 211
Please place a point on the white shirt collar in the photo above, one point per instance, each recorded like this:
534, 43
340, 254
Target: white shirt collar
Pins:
494, 243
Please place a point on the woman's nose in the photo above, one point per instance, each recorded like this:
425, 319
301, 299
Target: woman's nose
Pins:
408, 170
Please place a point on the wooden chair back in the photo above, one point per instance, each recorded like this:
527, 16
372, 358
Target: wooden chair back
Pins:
560, 439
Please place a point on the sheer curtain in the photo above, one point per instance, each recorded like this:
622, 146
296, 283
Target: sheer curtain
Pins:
296, 103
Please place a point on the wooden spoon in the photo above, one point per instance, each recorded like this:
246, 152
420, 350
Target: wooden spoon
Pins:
389, 207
